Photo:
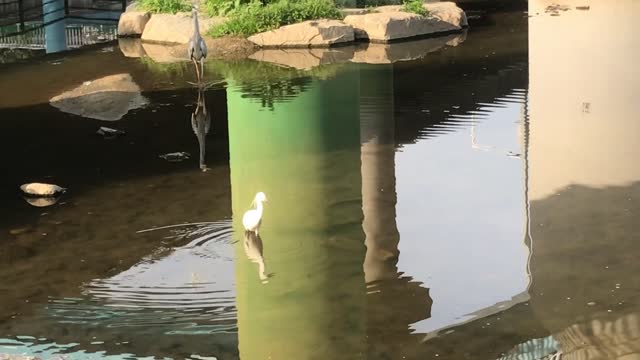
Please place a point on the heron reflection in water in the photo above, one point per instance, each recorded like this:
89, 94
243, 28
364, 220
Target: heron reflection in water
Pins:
253, 248
201, 124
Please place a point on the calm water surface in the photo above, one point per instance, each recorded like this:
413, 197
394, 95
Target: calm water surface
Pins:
477, 202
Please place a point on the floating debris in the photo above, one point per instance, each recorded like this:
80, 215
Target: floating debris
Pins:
584, 7
19, 231
41, 189
513, 155
109, 133
556, 7
176, 156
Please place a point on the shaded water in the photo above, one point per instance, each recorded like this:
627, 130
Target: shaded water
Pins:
478, 202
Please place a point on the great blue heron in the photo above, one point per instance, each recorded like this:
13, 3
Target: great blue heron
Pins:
252, 219
201, 123
197, 47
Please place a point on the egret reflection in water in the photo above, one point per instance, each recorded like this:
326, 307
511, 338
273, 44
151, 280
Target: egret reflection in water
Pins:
254, 249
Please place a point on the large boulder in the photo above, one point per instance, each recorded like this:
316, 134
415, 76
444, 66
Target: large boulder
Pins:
312, 33
390, 23
175, 29
132, 23
108, 98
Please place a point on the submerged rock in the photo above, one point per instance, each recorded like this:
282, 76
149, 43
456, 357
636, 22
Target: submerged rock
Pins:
176, 156
312, 33
109, 133
42, 189
108, 98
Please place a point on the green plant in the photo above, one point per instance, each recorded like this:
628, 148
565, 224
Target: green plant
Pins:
222, 7
165, 6
376, 3
256, 17
414, 6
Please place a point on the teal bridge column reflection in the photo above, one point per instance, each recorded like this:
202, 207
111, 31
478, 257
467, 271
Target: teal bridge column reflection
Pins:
329, 234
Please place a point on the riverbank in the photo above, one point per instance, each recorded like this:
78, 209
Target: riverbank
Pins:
383, 24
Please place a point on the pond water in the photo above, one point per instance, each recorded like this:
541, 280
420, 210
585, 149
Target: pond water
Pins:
477, 200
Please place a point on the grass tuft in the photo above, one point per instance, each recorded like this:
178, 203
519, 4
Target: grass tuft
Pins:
255, 17
165, 6
414, 6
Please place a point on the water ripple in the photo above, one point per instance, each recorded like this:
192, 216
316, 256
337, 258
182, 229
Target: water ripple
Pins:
188, 289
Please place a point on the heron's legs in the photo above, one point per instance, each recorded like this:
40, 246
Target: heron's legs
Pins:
197, 70
202, 67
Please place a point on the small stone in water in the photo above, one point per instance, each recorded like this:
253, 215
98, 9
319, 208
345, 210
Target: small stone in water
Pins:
591, 303
40, 189
109, 133
176, 156
18, 231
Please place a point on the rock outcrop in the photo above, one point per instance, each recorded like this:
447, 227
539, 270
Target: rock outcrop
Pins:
313, 33
132, 23
175, 29
108, 98
390, 23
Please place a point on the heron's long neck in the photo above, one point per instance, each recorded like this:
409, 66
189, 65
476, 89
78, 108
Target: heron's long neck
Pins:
259, 207
196, 28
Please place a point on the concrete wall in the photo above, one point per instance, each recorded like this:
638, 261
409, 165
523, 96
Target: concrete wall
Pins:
584, 82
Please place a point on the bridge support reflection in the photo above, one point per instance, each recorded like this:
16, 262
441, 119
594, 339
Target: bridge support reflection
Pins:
326, 160
304, 154
394, 301
377, 155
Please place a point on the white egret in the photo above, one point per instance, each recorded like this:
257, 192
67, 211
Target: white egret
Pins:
253, 218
